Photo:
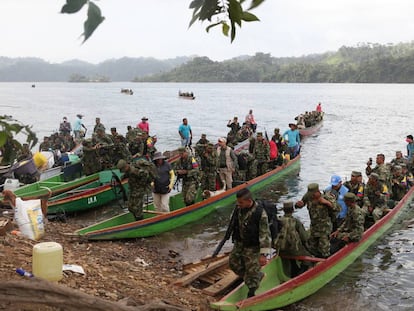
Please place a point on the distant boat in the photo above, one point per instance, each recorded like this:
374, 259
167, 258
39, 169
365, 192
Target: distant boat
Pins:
127, 91
186, 95
33, 85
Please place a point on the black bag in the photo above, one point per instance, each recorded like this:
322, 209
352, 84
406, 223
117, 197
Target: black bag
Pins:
274, 223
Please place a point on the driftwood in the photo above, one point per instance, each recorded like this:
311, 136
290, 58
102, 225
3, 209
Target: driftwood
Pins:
43, 293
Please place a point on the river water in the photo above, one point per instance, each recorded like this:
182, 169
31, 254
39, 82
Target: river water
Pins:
361, 120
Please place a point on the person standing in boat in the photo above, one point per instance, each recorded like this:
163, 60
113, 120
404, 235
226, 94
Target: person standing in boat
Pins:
227, 162
352, 228
163, 183
319, 207
187, 170
184, 130
65, 128
98, 126
77, 127
144, 125
252, 240
234, 128
292, 137
319, 107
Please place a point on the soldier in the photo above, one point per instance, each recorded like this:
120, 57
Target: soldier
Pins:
320, 207
136, 147
399, 159
352, 227
104, 147
234, 129
399, 184
187, 170
120, 150
380, 169
201, 145
375, 197
139, 177
89, 158
408, 175
261, 153
130, 134
252, 240
247, 166
209, 161
98, 125
356, 186
46, 144
115, 134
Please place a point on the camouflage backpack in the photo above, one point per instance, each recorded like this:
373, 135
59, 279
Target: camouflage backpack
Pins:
288, 238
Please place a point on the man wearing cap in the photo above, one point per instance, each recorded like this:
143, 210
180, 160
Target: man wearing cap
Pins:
399, 184
139, 177
234, 128
399, 159
375, 197
293, 140
77, 127
201, 145
98, 126
137, 146
352, 227
65, 128
46, 145
261, 153
356, 186
187, 169
208, 163
227, 162
144, 125
186, 135
163, 183
320, 208
293, 238
338, 190
380, 169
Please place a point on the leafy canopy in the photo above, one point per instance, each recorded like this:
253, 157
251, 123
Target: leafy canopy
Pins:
225, 13
10, 127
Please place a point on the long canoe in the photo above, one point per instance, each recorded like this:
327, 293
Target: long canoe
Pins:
310, 130
124, 225
53, 186
278, 290
94, 194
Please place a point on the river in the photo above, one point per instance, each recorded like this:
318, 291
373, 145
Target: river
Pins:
361, 120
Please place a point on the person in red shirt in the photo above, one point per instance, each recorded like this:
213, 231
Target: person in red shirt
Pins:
143, 125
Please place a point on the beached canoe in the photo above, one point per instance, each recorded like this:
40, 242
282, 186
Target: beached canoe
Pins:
94, 194
277, 289
54, 185
124, 225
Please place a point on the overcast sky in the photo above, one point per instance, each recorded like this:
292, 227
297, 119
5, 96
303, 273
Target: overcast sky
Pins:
159, 29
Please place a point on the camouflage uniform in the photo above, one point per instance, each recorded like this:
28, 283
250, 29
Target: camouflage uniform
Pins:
190, 178
139, 178
353, 224
89, 159
136, 147
104, 149
292, 239
209, 168
120, 151
261, 154
375, 199
399, 186
244, 258
247, 168
357, 189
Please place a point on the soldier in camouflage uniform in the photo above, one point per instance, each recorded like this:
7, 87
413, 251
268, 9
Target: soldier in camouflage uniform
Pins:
252, 240
209, 160
261, 153
120, 150
104, 146
247, 166
187, 169
98, 126
399, 184
381, 169
356, 186
137, 147
140, 175
89, 159
201, 145
352, 227
320, 207
375, 197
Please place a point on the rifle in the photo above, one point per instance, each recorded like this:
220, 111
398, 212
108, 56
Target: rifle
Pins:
228, 233
121, 186
267, 137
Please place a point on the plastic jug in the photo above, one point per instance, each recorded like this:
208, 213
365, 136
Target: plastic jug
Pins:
48, 261
11, 184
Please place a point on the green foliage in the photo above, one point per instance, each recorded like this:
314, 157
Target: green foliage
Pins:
224, 12
93, 20
366, 63
9, 128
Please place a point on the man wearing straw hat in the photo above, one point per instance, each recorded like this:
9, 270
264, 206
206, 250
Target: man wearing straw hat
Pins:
163, 183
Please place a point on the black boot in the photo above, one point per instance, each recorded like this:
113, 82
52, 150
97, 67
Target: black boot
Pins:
252, 292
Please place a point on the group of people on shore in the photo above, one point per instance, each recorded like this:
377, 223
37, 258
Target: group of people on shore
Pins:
339, 214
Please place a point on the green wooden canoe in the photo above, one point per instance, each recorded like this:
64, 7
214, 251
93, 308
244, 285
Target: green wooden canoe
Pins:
278, 290
124, 225
53, 186
94, 194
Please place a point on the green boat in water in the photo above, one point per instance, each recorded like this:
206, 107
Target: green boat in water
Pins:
278, 290
124, 225
96, 193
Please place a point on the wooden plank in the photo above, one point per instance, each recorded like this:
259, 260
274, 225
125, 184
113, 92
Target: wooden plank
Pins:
199, 271
229, 279
204, 261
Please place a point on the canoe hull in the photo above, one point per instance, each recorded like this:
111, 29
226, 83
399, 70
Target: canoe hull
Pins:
304, 285
124, 226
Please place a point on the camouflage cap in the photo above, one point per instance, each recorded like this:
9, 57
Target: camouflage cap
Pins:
276, 130
313, 187
288, 207
349, 196
397, 168
374, 176
203, 135
121, 165
259, 134
356, 173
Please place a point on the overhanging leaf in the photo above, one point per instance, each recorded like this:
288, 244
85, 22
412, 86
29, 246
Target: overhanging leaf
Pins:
255, 4
249, 17
95, 18
235, 11
196, 4
212, 25
73, 6
233, 31
225, 29
3, 138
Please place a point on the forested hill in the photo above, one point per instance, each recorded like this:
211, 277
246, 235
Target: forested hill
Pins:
366, 63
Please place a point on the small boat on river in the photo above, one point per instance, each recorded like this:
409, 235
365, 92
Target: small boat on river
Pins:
313, 128
277, 289
186, 95
125, 226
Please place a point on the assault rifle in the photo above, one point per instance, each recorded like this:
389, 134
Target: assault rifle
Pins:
228, 233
